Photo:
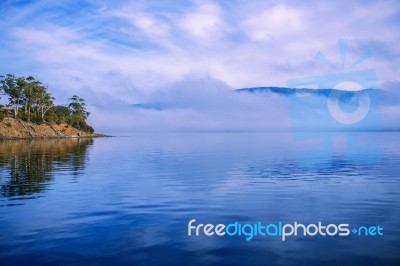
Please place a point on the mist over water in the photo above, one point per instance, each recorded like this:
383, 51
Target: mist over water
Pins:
204, 104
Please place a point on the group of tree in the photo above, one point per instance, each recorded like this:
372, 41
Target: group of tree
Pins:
30, 100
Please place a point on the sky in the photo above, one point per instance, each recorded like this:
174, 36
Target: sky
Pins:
117, 53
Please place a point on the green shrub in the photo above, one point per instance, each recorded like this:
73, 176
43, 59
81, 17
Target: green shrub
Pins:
51, 117
23, 116
39, 120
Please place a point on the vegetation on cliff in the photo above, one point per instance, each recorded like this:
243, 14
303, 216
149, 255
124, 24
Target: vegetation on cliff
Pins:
29, 100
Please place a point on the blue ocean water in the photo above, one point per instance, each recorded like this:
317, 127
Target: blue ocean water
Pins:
128, 200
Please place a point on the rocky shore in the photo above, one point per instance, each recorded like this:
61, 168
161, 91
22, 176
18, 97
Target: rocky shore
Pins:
17, 129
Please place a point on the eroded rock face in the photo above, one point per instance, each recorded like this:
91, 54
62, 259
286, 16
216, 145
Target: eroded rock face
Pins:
15, 129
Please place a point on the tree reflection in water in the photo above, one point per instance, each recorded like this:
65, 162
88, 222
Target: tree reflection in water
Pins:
28, 166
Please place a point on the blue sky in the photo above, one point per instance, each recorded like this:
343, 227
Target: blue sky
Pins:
127, 51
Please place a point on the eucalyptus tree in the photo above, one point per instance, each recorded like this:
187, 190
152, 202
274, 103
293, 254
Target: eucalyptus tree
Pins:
14, 88
44, 101
77, 107
30, 95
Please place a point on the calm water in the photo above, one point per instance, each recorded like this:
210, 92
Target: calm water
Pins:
128, 200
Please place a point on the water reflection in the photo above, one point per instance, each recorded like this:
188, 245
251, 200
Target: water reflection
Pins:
27, 166
131, 202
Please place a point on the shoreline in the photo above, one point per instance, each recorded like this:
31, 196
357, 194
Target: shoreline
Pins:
54, 137
15, 129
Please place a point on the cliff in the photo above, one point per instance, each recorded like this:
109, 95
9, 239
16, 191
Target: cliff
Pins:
17, 129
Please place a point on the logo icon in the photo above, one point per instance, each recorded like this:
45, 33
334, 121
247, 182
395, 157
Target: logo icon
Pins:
343, 101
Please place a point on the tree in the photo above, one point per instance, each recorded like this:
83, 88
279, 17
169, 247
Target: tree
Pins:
79, 114
62, 113
30, 95
44, 101
14, 88
1, 86
77, 107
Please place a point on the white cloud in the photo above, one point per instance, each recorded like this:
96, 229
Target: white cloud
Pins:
205, 22
147, 24
55, 44
273, 23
